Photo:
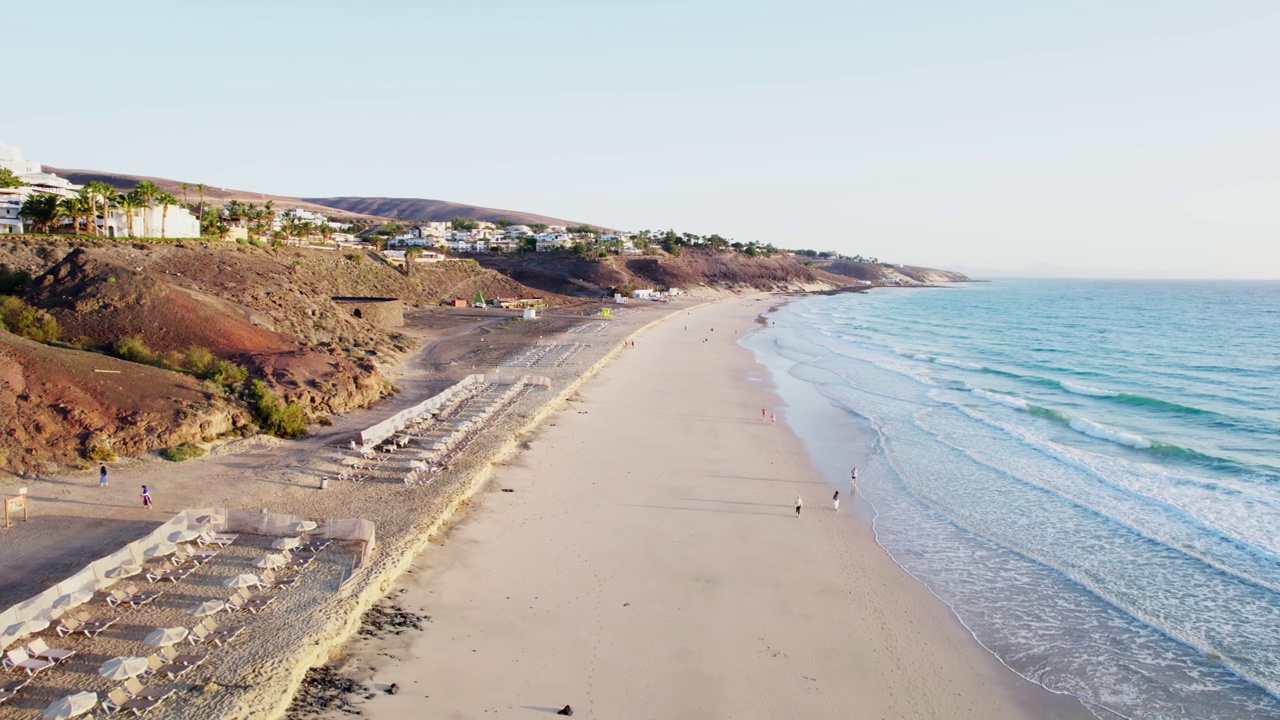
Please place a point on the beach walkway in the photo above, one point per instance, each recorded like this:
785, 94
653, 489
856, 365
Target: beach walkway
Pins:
648, 562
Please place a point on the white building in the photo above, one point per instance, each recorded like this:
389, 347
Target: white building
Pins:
10, 207
31, 173
153, 222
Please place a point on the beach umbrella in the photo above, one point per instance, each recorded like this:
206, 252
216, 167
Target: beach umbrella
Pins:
302, 526
27, 627
242, 580
182, 536
164, 637
123, 571
208, 607
272, 561
123, 668
208, 519
75, 599
286, 543
71, 706
159, 549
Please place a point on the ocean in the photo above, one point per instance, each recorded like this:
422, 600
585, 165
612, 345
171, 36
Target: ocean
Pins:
1086, 472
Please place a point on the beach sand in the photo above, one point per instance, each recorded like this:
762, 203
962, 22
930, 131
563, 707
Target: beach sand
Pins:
642, 558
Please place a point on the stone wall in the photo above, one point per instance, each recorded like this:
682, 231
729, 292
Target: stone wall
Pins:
384, 312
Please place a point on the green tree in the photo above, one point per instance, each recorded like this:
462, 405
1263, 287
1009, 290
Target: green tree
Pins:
165, 200
9, 180
147, 192
128, 204
20, 318
102, 195
462, 224
201, 187
42, 210
538, 228
76, 207
410, 253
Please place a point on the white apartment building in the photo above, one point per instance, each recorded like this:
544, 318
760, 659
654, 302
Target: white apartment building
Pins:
10, 207
153, 222
33, 174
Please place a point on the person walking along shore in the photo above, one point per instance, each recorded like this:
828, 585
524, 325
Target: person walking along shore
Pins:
835, 500
102, 475
799, 504
146, 497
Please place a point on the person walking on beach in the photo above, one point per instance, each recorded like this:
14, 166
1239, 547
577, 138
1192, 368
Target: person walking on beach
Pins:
146, 497
764, 415
799, 504
773, 418
835, 500
102, 475
853, 480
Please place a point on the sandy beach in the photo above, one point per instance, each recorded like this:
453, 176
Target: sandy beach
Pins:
643, 558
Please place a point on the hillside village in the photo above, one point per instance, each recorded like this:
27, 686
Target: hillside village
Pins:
35, 200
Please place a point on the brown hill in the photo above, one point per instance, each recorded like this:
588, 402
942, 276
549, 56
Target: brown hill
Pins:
269, 309
57, 405
212, 195
357, 208
876, 273
422, 209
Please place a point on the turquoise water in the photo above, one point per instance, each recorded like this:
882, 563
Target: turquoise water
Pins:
1087, 472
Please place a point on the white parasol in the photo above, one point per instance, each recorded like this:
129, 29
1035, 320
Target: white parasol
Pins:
123, 668
208, 607
159, 549
302, 526
75, 599
163, 637
286, 543
71, 706
272, 561
242, 580
123, 571
182, 536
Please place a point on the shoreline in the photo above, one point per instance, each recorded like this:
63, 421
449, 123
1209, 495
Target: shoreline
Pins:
824, 424
434, 574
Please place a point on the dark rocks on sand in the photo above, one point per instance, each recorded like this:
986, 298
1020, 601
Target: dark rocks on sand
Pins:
566, 710
392, 689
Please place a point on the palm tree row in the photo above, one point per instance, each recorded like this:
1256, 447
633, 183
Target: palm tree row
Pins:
96, 200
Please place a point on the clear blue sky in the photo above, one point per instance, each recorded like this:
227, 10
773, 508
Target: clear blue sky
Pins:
1115, 136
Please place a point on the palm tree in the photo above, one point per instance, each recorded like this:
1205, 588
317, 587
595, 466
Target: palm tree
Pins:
165, 200
147, 192
185, 188
42, 209
100, 193
410, 253
201, 187
128, 204
9, 180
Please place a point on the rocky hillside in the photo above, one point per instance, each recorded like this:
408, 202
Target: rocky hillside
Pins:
61, 406
877, 274
565, 273
268, 310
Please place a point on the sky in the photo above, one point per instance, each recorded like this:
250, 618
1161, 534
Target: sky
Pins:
1091, 138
